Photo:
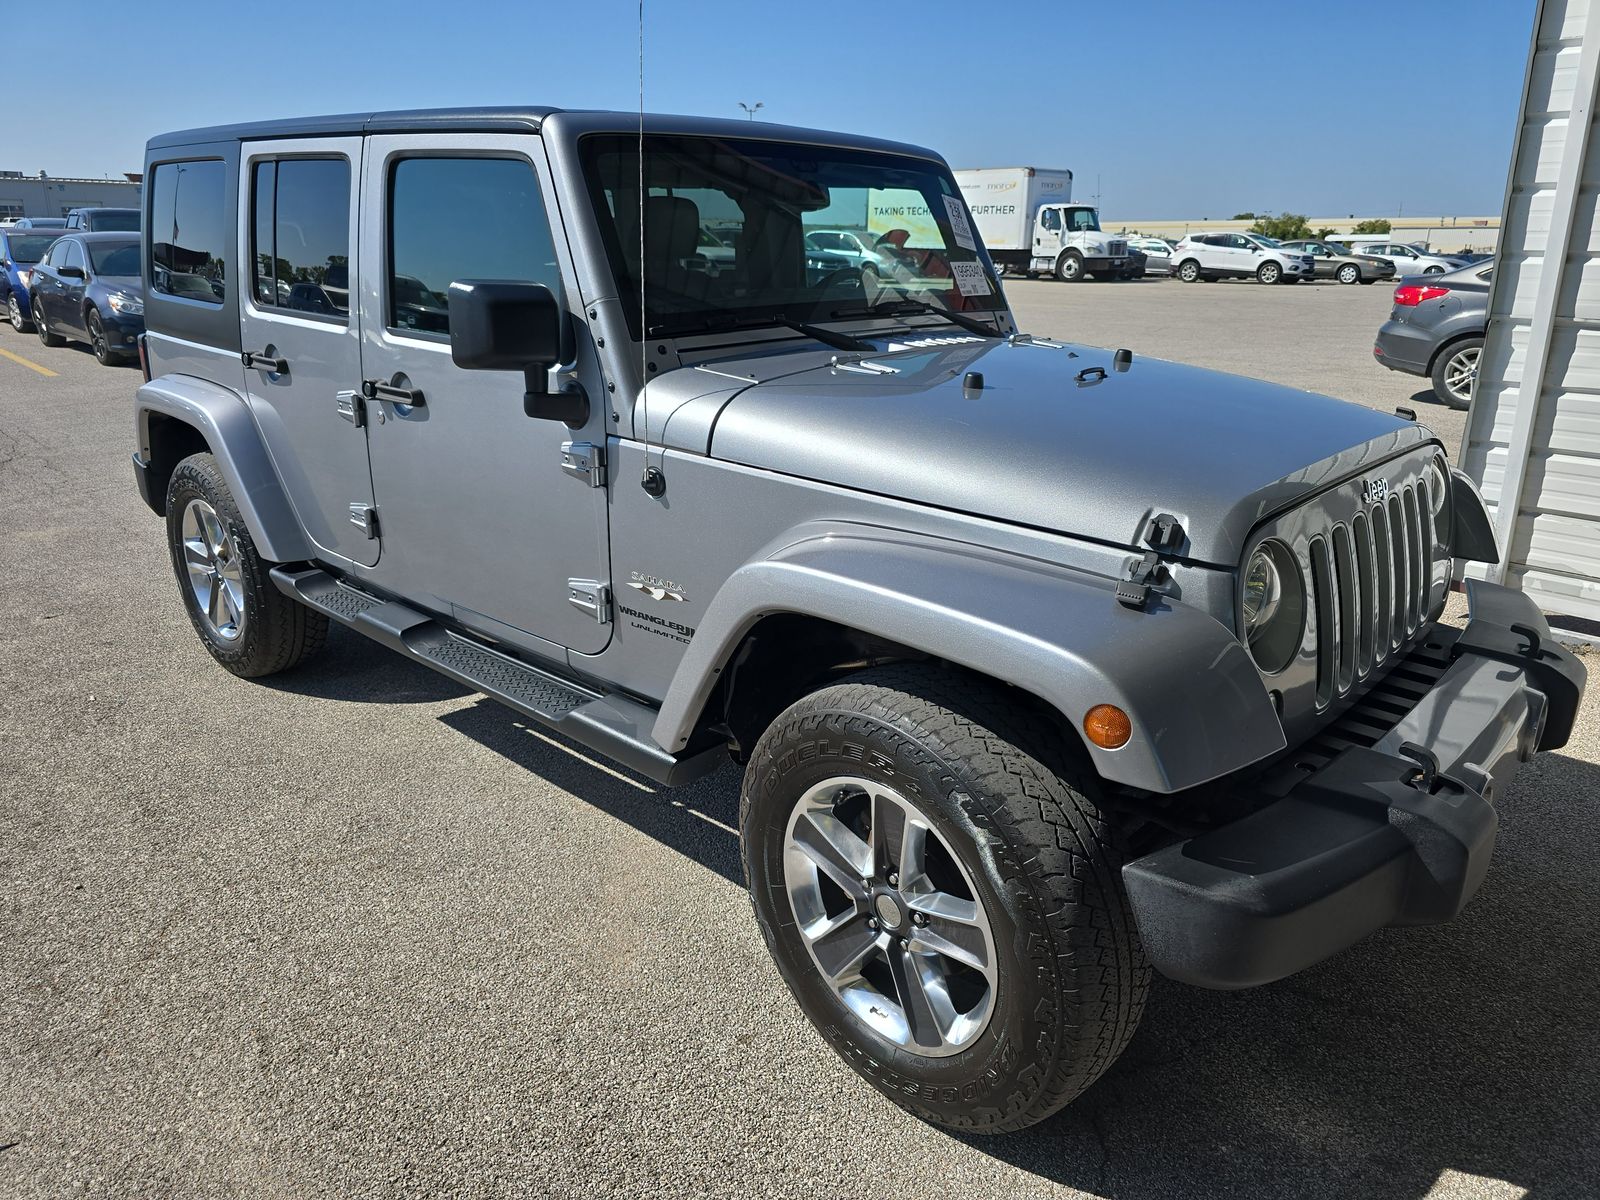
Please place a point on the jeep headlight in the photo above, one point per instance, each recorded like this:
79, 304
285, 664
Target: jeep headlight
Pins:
128, 306
1272, 606
1438, 484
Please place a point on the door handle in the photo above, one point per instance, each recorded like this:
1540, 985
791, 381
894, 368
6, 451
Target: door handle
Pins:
258, 360
376, 389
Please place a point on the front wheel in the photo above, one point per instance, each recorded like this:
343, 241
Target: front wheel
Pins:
1433, 271
97, 341
1069, 267
247, 624
1269, 272
1349, 273
942, 895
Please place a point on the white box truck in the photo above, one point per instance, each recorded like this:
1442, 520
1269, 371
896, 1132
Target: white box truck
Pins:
1030, 226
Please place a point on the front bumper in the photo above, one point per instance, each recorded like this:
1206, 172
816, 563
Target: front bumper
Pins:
1398, 832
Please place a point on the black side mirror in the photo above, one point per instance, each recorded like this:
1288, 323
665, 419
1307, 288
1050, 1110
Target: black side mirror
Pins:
70, 272
504, 325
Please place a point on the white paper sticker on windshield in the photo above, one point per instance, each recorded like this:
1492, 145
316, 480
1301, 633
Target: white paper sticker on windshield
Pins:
970, 278
957, 208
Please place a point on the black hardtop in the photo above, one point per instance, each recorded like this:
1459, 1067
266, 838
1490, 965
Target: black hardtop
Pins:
503, 119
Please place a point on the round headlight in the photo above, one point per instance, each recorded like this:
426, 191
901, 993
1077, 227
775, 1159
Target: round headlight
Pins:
1272, 606
1438, 486
1263, 592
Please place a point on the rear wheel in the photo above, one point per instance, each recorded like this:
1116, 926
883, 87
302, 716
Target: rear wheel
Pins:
1069, 267
1269, 272
1189, 271
1455, 372
247, 624
1433, 270
1349, 273
45, 336
942, 895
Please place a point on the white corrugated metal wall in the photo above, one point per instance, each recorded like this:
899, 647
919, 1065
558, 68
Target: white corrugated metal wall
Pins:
1533, 437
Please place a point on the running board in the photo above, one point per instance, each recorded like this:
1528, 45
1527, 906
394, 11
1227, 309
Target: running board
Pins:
614, 725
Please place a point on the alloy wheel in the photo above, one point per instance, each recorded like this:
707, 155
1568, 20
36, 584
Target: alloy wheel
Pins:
890, 916
14, 313
1348, 274
1461, 372
216, 578
97, 339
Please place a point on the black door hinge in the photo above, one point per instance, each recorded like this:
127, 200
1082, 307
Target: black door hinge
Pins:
1164, 535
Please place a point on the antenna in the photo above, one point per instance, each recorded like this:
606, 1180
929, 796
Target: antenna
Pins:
750, 109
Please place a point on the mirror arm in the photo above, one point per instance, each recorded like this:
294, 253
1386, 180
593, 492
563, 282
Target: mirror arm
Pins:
570, 405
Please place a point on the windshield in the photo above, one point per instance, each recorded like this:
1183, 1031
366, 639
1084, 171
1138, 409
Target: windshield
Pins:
114, 258
1083, 218
126, 221
765, 198
29, 249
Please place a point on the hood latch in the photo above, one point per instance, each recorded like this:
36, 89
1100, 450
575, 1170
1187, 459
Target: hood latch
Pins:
1163, 534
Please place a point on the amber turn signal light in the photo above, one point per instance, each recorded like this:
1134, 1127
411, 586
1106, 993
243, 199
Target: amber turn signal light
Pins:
1107, 726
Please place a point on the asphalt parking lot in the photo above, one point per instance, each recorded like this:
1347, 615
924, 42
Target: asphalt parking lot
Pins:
356, 932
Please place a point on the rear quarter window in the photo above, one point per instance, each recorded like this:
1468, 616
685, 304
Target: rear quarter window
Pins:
188, 234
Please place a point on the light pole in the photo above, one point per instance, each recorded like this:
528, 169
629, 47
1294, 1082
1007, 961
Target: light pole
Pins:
750, 109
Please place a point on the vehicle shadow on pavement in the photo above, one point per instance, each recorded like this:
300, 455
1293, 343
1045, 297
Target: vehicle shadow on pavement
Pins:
699, 821
356, 669
1419, 1059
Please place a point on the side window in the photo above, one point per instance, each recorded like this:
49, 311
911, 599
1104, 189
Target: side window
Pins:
188, 236
462, 218
72, 255
300, 222
74, 220
1051, 218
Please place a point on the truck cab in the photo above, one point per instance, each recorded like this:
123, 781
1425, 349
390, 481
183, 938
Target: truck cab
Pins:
1068, 242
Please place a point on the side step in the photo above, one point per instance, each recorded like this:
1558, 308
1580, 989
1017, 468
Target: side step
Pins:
614, 726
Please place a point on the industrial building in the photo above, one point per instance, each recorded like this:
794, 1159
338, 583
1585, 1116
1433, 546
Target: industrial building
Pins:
45, 195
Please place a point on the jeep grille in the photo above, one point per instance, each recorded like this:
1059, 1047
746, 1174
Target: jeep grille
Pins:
1371, 578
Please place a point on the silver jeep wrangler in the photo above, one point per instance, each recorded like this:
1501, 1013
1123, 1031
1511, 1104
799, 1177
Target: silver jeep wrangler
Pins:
1047, 665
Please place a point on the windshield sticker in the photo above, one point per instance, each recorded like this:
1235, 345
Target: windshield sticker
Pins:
957, 208
971, 279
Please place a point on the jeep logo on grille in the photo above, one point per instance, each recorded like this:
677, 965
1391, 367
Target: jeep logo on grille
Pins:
1374, 490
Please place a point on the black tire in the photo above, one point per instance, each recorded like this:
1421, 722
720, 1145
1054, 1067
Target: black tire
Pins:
1269, 272
1069, 267
45, 336
1447, 368
1189, 271
278, 632
14, 315
103, 353
1350, 273
983, 770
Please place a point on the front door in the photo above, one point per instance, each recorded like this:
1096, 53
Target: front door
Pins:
1047, 233
297, 222
479, 518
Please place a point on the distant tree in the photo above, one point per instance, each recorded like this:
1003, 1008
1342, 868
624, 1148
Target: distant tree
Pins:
1376, 225
1284, 227
1325, 233
1244, 216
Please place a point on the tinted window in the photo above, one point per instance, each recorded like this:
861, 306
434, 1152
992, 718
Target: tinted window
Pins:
114, 258
189, 231
71, 255
28, 248
462, 218
112, 221
302, 235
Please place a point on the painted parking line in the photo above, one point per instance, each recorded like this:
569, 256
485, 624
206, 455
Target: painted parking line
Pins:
29, 363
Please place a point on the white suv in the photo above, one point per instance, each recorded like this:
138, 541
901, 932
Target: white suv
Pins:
1211, 256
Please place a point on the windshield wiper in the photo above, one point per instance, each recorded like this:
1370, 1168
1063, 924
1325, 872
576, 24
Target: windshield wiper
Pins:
917, 308
716, 324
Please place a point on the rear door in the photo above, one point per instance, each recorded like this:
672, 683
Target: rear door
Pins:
297, 232
480, 518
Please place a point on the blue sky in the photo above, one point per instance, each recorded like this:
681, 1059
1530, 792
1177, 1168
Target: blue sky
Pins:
1206, 109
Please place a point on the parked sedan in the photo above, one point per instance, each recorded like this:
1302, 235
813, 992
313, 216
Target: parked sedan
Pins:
1410, 260
88, 289
20, 250
1157, 254
1436, 329
1336, 262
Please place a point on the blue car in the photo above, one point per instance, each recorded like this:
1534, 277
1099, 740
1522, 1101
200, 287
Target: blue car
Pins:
88, 289
20, 250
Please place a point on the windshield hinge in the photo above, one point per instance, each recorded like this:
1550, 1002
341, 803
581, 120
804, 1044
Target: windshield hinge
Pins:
351, 407
592, 596
584, 460
1164, 535
365, 518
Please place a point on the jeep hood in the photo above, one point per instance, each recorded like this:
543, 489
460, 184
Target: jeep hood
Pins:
1057, 439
